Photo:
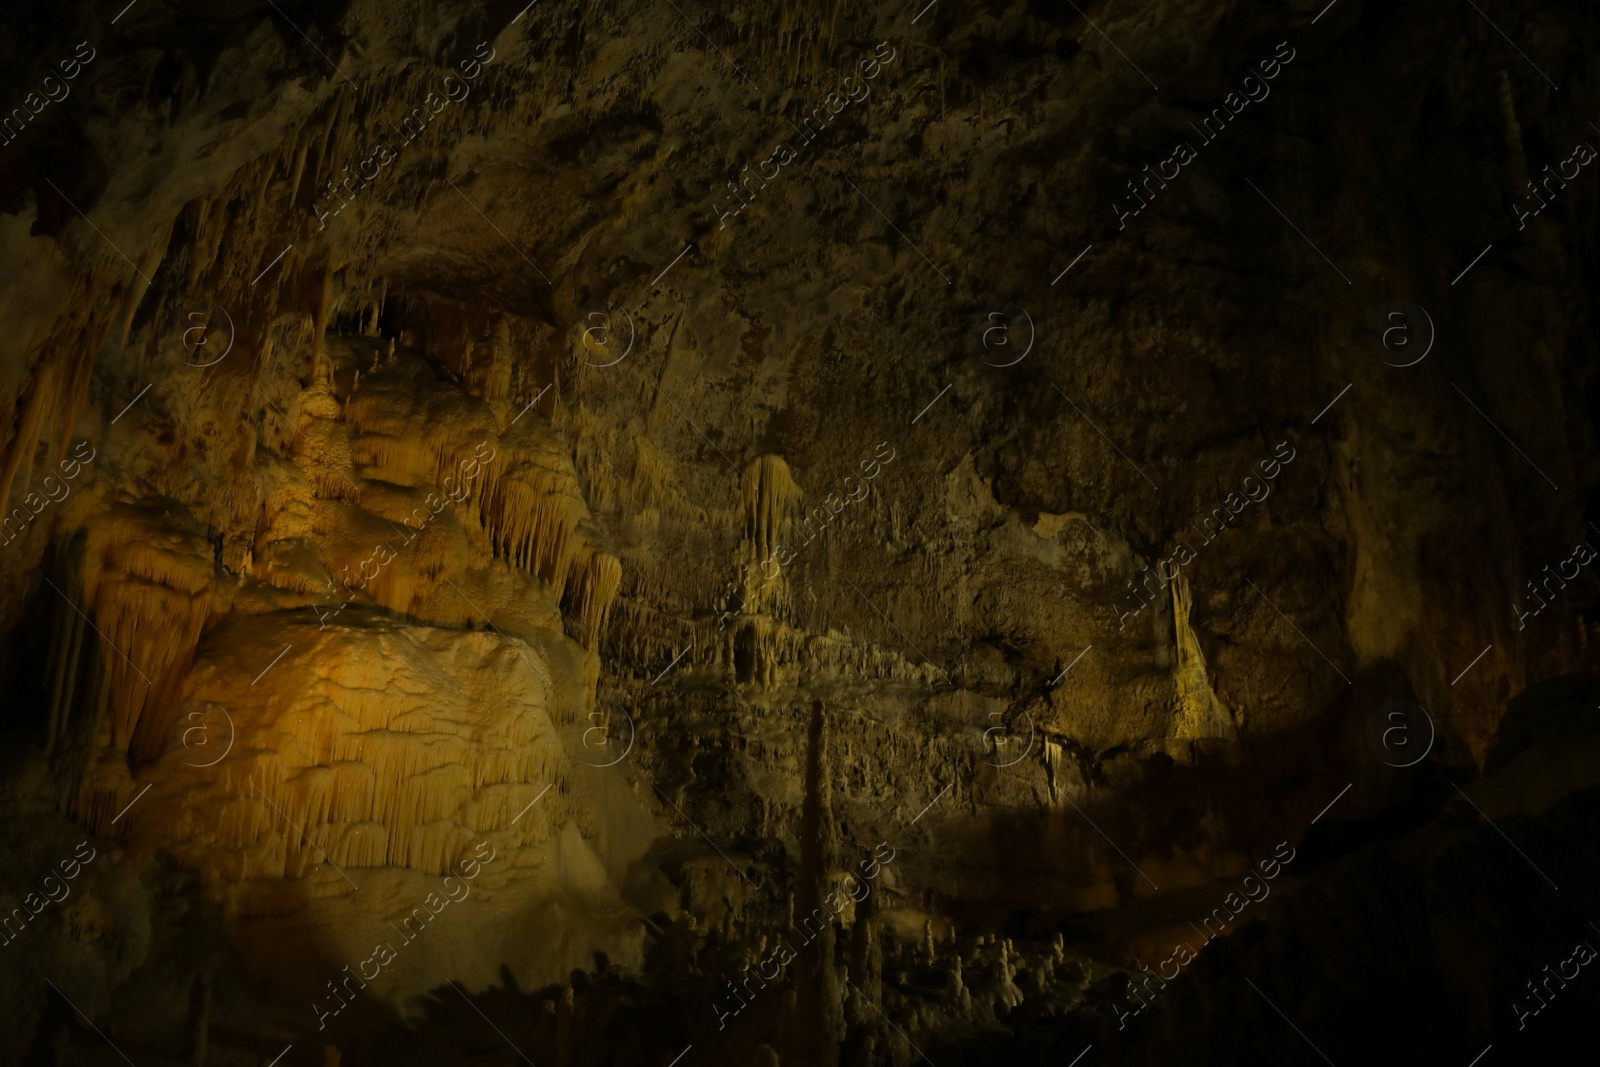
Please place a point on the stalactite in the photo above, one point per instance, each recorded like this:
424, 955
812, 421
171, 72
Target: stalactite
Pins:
41, 398
66, 648
533, 512
804, 33
598, 586
148, 580
301, 148
139, 284
350, 767
770, 497
90, 341
207, 243
319, 325
655, 483
1513, 132
320, 167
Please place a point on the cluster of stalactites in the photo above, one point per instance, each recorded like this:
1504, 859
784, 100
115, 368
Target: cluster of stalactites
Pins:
385, 798
522, 486
758, 649
535, 516
353, 764
59, 387
770, 497
148, 578
209, 241
803, 35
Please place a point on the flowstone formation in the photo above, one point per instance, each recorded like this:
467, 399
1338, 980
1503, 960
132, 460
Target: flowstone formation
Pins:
661, 534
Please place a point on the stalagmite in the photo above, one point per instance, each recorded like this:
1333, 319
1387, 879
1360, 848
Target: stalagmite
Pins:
818, 1019
564, 1028
1201, 716
194, 1038
1006, 991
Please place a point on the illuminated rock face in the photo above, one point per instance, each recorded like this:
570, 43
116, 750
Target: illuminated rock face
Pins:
372, 746
322, 756
362, 770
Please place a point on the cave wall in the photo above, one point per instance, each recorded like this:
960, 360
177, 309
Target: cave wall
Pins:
761, 441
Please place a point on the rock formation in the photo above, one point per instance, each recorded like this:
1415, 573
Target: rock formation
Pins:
824, 536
